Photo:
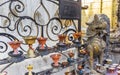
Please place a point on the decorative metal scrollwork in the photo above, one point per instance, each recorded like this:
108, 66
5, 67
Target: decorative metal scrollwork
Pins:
16, 6
16, 25
3, 44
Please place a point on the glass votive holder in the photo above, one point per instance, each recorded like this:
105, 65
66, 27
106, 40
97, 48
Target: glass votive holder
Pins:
111, 69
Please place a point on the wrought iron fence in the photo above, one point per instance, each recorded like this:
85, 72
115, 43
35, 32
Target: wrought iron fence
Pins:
16, 25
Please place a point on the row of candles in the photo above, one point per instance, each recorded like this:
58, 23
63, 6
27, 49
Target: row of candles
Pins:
56, 64
55, 56
30, 71
111, 69
114, 69
29, 40
42, 45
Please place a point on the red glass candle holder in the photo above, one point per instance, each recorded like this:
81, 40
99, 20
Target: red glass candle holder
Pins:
42, 42
61, 38
77, 35
55, 58
15, 44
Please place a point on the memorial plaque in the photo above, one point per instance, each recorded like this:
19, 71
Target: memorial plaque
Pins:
69, 9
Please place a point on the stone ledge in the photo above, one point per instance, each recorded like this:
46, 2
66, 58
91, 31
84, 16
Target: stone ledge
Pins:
39, 63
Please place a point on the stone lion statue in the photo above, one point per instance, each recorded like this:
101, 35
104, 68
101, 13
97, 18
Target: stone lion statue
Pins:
97, 37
